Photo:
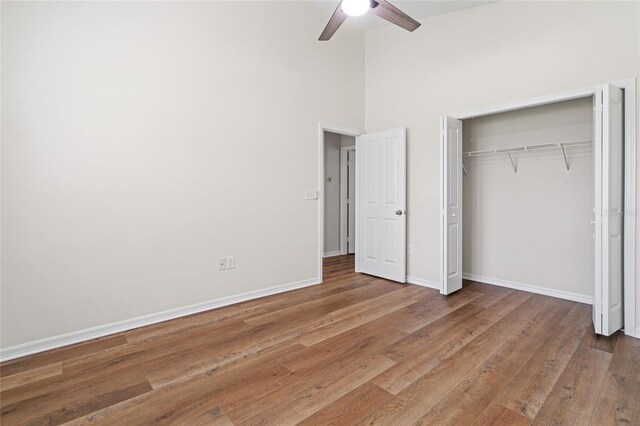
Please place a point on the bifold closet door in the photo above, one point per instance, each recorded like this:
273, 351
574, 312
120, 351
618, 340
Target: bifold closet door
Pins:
451, 205
381, 181
609, 204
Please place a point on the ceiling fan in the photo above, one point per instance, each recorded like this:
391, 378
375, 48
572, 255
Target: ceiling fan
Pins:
381, 8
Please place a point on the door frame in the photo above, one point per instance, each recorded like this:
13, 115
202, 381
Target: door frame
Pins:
630, 173
344, 183
324, 127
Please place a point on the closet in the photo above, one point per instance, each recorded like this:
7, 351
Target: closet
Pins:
532, 198
528, 199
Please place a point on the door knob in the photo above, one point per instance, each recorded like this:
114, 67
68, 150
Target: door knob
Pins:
399, 212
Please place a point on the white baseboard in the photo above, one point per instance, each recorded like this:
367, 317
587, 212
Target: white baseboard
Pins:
424, 283
575, 297
54, 342
332, 253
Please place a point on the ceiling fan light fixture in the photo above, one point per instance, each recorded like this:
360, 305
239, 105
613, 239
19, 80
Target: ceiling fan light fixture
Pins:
355, 7
380, 8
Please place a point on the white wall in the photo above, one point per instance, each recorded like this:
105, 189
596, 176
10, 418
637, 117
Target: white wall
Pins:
143, 140
481, 57
531, 227
331, 193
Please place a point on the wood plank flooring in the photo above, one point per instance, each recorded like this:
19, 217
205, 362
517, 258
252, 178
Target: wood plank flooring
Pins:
354, 350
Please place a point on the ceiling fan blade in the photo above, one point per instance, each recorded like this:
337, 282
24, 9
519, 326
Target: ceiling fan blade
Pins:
334, 23
390, 13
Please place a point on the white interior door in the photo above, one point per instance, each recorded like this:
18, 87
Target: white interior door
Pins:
609, 205
451, 205
351, 202
381, 200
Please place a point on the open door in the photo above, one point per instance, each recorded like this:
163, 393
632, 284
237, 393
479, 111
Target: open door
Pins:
451, 205
381, 204
609, 203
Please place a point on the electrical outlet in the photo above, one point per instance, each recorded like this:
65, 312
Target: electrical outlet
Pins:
222, 264
231, 262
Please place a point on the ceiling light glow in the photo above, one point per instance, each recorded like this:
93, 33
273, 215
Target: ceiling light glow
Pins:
355, 7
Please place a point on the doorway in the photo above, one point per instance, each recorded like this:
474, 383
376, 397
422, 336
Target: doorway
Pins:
378, 197
329, 135
339, 191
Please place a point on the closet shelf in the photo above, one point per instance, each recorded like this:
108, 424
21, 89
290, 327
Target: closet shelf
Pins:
538, 147
529, 148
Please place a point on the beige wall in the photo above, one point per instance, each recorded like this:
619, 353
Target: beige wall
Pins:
531, 227
142, 141
481, 57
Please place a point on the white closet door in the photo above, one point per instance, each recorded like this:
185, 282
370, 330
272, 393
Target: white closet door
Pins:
451, 206
381, 199
609, 204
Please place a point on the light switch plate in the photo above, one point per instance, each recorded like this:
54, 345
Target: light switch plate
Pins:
311, 194
231, 262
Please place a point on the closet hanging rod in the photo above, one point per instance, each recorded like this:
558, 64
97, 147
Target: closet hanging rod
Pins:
538, 147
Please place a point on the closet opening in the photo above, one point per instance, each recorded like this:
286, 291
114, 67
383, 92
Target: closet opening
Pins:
527, 199
540, 195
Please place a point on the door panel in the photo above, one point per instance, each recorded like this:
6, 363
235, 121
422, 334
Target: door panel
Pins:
391, 172
381, 201
451, 206
371, 237
390, 234
371, 175
453, 248
609, 202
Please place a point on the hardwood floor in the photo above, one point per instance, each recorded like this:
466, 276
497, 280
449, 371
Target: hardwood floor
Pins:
355, 350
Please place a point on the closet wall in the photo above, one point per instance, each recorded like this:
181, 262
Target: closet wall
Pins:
531, 227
